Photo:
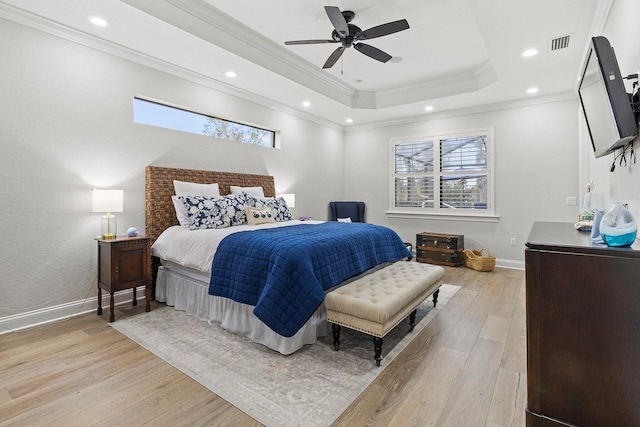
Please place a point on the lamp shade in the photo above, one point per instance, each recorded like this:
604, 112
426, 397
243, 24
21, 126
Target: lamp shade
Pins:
108, 200
290, 199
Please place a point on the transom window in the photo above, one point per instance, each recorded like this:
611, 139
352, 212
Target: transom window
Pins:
165, 116
446, 174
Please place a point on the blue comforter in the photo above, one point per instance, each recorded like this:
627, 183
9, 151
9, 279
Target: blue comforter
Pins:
284, 272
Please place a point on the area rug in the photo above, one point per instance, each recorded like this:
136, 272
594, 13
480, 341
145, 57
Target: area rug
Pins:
310, 387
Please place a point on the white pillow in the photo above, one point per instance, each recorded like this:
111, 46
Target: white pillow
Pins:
183, 188
347, 219
257, 216
251, 191
181, 212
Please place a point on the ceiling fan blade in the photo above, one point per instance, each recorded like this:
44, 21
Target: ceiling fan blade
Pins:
372, 52
338, 21
383, 30
333, 58
294, 42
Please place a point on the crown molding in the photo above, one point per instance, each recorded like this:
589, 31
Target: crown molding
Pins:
484, 108
212, 25
451, 84
204, 21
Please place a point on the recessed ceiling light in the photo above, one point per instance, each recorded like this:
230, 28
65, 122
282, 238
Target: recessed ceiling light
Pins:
532, 90
529, 53
230, 74
98, 22
428, 108
349, 120
306, 104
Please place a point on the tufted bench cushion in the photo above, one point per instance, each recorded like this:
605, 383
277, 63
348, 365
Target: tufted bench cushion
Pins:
377, 302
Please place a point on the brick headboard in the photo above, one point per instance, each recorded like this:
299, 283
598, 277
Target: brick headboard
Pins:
159, 211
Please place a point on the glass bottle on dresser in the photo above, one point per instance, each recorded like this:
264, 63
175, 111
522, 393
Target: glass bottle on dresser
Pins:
618, 227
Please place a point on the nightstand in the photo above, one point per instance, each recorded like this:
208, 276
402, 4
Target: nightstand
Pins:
123, 263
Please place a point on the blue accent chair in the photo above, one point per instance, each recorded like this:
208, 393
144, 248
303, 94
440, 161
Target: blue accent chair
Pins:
353, 210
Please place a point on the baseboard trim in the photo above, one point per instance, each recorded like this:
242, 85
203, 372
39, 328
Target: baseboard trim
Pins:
65, 311
510, 263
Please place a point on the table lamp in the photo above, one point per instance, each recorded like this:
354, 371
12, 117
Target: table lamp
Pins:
108, 201
290, 199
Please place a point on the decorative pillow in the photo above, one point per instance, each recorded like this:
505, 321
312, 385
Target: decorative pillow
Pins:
237, 208
347, 219
257, 216
251, 191
278, 206
206, 212
183, 188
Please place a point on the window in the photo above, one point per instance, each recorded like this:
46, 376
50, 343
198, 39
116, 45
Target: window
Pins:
156, 114
443, 174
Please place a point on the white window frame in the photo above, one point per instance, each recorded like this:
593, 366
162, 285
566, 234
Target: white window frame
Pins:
484, 215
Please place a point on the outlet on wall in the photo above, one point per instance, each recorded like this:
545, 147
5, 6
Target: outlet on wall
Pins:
513, 241
571, 201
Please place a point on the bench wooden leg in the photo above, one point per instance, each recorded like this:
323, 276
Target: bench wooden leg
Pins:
377, 347
336, 336
435, 297
412, 319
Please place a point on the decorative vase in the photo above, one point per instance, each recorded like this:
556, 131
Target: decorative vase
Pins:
618, 227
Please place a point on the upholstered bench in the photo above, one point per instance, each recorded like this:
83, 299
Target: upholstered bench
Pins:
377, 302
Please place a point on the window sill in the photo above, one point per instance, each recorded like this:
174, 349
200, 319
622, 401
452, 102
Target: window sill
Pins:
443, 216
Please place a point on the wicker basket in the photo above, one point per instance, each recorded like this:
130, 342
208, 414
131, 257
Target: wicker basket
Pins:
481, 260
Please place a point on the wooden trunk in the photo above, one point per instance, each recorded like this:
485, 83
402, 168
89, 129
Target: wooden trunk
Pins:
438, 248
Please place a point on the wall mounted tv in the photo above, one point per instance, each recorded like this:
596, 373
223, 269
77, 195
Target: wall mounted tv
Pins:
606, 105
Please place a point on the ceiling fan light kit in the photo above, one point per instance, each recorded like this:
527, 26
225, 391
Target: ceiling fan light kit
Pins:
349, 35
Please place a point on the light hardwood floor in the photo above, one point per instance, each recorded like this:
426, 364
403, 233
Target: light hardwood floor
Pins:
466, 368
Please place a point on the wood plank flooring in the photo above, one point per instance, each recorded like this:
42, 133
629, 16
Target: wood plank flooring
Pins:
466, 368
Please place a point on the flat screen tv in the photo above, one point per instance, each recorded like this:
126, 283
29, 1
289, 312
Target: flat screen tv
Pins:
605, 102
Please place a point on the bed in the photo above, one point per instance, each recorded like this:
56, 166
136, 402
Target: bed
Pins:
186, 282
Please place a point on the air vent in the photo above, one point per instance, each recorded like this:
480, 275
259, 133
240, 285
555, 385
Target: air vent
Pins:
559, 43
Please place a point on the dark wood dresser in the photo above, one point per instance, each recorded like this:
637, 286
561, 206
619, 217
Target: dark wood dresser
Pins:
583, 329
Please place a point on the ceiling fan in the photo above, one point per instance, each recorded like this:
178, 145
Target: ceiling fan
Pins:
350, 35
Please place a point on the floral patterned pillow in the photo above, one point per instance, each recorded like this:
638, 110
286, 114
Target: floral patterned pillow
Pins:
278, 206
207, 212
237, 208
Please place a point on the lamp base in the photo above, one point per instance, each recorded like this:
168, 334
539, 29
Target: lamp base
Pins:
108, 227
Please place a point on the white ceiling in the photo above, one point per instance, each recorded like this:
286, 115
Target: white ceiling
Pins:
456, 53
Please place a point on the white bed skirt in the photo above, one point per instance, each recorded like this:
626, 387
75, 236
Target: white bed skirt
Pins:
192, 296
